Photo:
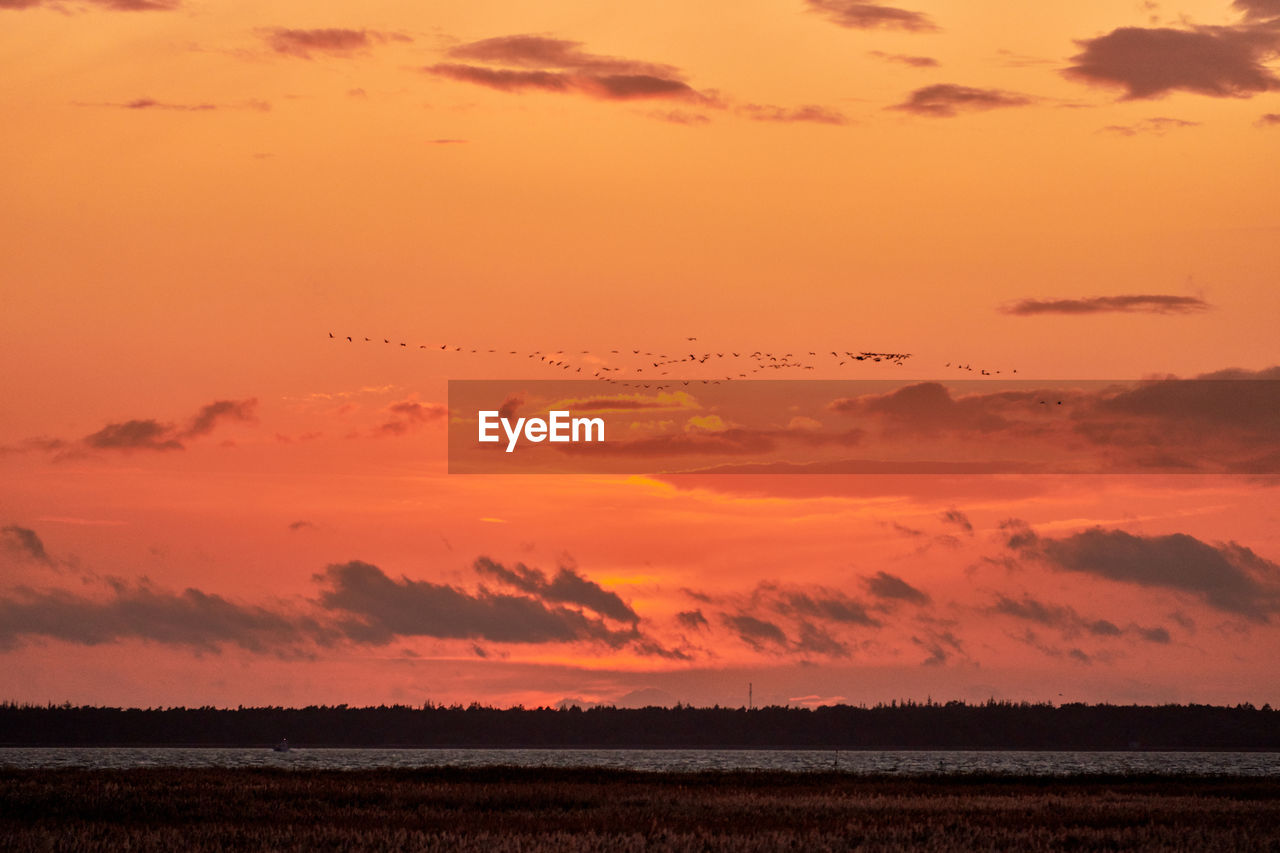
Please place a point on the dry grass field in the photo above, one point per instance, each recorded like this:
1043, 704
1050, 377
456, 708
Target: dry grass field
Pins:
506, 809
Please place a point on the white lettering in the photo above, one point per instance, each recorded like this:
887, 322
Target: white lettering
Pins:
513, 435
488, 421
587, 424
559, 427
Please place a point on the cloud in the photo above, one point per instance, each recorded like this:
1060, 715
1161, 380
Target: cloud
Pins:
209, 416
301, 525
807, 113
24, 543
567, 587
333, 42
1268, 120
927, 407
693, 620
150, 434
825, 605
1149, 63
958, 518
941, 646
1144, 303
542, 52
1226, 576
134, 435
905, 59
1157, 126
756, 633
110, 5
947, 100
889, 587
869, 16
408, 414
1258, 10
152, 104
377, 609
609, 87
1066, 619
192, 618
538, 63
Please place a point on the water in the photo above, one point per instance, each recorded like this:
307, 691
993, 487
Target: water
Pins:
879, 761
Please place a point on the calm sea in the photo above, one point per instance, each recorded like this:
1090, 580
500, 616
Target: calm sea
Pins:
900, 762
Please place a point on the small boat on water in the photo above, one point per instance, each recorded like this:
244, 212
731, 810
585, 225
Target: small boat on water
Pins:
282, 746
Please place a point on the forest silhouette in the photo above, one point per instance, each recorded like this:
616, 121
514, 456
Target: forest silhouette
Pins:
899, 725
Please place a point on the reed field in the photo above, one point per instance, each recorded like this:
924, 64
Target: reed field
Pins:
510, 809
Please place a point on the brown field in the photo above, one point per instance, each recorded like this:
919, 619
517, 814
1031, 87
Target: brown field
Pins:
505, 809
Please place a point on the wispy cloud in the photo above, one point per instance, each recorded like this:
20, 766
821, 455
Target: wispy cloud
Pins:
305, 44
1150, 303
870, 16
947, 100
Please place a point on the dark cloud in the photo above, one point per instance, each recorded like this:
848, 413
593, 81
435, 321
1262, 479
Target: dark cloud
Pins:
610, 87
807, 113
150, 434
24, 543
1258, 10
152, 104
889, 587
1268, 120
1150, 63
332, 41
135, 435
905, 59
817, 640
567, 587
824, 605
756, 633
958, 518
1145, 303
408, 414
510, 406
946, 100
1240, 410
209, 416
377, 609
693, 620
1226, 576
542, 52
1157, 126
941, 646
928, 407
194, 619
869, 16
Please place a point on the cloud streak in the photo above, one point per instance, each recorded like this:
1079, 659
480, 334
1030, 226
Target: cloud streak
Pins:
305, 44
948, 100
1149, 303
872, 16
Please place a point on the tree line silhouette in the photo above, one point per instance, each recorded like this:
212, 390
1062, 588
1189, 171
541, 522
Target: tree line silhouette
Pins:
905, 725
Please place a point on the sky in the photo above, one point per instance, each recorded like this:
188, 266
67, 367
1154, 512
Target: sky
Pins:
212, 497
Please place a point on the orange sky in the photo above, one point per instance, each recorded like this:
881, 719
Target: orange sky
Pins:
209, 501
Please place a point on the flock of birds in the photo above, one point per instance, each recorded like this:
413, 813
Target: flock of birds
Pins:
659, 368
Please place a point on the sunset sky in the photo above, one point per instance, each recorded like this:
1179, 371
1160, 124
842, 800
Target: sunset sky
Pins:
211, 497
